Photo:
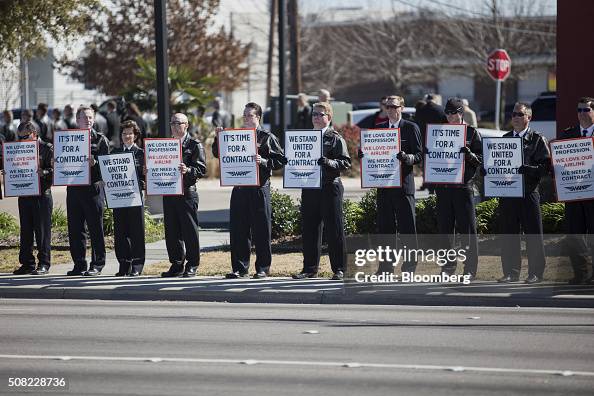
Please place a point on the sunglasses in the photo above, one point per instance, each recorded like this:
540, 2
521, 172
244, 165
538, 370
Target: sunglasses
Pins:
318, 114
584, 110
451, 112
392, 107
515, 114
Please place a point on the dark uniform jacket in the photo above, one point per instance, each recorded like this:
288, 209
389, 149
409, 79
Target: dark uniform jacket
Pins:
410, 143
536, 155
46, 154
335, 149
194, 158
268, 148
138, 154
99, 146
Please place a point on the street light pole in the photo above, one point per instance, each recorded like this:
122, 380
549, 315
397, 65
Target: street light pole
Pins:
162, 67
281, 67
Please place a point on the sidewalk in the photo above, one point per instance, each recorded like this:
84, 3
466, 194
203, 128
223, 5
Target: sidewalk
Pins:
155, 252
289, 291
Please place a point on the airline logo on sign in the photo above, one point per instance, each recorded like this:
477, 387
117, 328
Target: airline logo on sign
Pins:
499, 65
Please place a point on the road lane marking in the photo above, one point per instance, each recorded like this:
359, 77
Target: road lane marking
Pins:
154, 359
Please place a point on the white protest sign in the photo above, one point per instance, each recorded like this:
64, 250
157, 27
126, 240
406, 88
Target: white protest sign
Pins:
118, 172
162, 159
573, 163
379, 165
237, 157
502, 156
72, 150
21, 164
303, 149
444, 163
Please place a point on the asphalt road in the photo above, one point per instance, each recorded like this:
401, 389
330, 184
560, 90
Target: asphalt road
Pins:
174, 348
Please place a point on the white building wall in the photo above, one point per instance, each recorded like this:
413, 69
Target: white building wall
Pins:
451, 85
530, 87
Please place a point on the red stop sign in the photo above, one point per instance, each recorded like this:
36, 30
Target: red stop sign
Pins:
499, 64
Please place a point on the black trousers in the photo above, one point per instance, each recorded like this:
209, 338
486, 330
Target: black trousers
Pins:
516, 215
323, 207
180, 215
456, 213
85, 205
250, 217
128, 225
396, 212
579, 222
35, 218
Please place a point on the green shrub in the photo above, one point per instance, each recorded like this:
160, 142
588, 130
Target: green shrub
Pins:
368, 221
286, 219
153, 230
9, 225
59, 218
487, 213
426, 215
353, 214
108, 222
553, 215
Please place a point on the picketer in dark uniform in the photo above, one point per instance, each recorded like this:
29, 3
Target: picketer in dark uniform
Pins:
128, 223
455, 202
180, 212
323, 207
396, 206
523, 214
250, 208
85, 204
35, 212
579, 215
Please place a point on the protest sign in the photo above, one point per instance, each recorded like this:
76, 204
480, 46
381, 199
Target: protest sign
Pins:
237, 157
444, 163
303, 149
72, 150
573, 164
118, 172
502, 157
379, 165
21, 164
162, 159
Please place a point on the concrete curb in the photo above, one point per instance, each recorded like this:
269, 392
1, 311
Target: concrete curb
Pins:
294, 296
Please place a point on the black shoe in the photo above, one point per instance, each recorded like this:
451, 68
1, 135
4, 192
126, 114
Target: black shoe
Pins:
533, 279
260, 275
42, 270
190, 272
508, 279
93, 272
236, 274
23, 270
470, 276
338, 275
172, 272
76, 272
305, 275
134, 273
120, 273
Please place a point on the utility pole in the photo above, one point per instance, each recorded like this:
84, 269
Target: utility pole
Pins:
281, 67
24, 83
273, 4
162, 67
295, 46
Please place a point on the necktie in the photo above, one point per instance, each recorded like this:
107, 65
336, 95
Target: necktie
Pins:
585, 133
392, 126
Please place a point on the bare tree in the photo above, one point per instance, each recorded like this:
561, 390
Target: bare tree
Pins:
9, 84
